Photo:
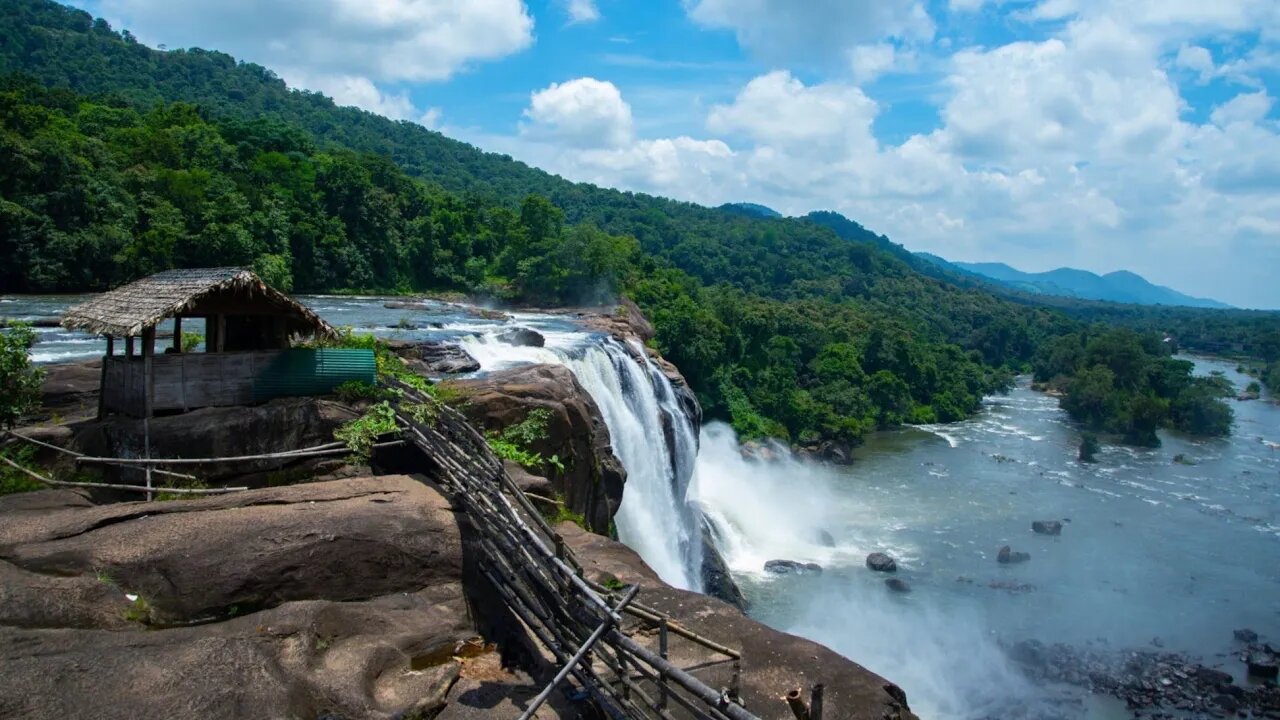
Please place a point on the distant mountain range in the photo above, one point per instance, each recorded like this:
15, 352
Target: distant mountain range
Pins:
1121, 286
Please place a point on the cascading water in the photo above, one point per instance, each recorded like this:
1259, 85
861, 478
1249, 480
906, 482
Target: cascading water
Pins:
650, 433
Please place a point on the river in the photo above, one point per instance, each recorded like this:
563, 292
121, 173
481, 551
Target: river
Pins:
1154, 553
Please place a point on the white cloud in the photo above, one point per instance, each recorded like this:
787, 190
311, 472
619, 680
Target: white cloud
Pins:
347, 46
869, 62
817, 31
431, 118
778, 110
1245, 107
1196, 59
584, 113
581, 11
358, 91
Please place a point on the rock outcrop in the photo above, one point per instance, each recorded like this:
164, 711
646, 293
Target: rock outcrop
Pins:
275, 426
773, 662
434, 358
592, 481
341, 598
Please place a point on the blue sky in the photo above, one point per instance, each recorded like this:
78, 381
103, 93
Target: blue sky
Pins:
1140, 134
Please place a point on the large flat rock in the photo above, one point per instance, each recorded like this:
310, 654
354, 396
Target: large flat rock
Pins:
342, 598
190, 559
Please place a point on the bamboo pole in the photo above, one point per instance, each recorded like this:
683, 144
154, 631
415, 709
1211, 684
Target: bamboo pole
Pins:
128, 488
798, 706
73, 453
288, 455
578, 656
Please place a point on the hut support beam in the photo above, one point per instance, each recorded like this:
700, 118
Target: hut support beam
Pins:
177, 334
148, 391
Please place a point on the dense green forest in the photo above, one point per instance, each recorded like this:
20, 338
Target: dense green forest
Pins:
117, 160
1123, 382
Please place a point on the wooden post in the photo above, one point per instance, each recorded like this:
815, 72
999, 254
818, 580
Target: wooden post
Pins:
815, 701
128, 347
797, 704
148, 387
177, 334
662, 653
222, 332
102, 380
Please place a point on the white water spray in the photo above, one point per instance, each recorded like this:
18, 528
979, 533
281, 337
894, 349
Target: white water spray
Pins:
649, 432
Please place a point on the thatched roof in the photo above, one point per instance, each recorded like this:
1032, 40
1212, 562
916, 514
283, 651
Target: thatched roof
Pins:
141, 304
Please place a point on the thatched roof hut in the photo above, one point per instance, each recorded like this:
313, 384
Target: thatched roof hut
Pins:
249, 328
143, 304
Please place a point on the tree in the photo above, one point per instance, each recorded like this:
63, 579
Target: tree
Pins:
1088, 448
21, 381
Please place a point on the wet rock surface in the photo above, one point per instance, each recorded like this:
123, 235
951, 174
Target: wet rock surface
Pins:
1152, 683
880, 562
1008, 556
523, 337
791, 567
436, 357
1047, 527
897, 585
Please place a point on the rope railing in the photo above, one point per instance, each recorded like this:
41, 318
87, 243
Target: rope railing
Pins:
579, 622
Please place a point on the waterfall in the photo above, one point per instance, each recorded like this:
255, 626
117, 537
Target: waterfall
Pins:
650, 433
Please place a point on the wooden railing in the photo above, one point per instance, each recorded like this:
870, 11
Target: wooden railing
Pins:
577, 621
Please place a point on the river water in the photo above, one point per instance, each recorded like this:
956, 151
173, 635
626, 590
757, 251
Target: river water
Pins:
1153, 552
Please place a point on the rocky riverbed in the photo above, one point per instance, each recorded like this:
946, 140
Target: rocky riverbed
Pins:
1154, 683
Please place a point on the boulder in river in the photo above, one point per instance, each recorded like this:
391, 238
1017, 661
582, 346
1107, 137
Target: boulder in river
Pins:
1245, 635
880, 562
1047, 527
1263, 664
522, 337
442, 357
825, 539
789, 567
1007, 556
897, 585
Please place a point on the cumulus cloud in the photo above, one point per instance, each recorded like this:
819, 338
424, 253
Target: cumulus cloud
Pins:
819, 31
871, 61
584, 113
351, 45
581, 11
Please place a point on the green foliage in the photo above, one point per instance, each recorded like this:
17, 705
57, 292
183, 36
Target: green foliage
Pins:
20, 379
356, 391
361, 434
1089, 448
139, 611
614, 584
191, 340
1271, 378
564, 514
13, 480
516, 442
183, 484
1119, 381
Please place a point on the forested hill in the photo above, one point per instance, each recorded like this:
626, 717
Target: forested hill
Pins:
117, 160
